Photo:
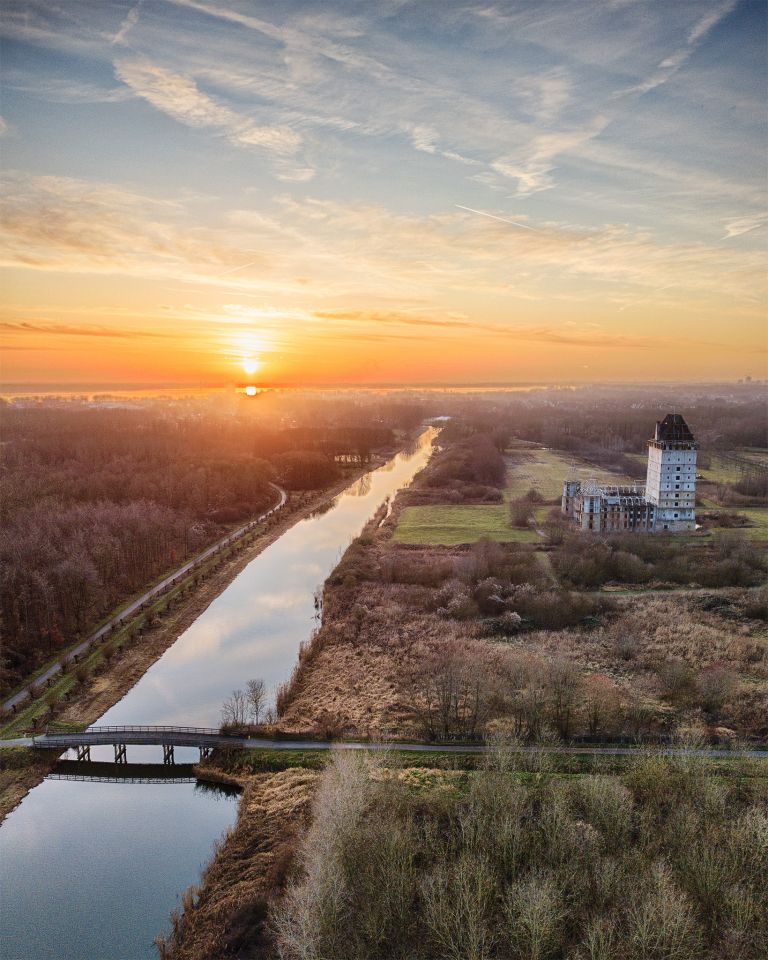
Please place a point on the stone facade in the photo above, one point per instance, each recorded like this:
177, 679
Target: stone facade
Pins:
666, 502
671, 480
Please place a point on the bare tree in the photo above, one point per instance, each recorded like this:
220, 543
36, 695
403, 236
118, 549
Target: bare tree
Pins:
450, 691
563, 683
519, 512
256, 691
234, 710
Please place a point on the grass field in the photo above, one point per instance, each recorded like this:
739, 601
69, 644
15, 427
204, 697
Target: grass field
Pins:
758, 516
722, 471
542, 470
464, 523
448, 525
545, 470
755, 454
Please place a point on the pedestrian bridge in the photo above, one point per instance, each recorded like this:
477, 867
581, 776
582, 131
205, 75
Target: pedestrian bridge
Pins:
204, 738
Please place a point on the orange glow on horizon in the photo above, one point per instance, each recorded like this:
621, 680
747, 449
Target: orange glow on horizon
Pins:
536, 217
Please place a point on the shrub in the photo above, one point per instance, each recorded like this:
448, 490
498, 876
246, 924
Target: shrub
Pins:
715, 687
756, 604
662, 925
535, 917
458, 908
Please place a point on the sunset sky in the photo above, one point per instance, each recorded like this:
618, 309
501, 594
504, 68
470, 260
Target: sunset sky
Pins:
413, 191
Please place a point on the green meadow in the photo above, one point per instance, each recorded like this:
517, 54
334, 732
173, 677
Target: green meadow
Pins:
449, 525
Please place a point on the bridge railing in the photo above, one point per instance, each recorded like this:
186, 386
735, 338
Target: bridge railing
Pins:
168, 728
194, 731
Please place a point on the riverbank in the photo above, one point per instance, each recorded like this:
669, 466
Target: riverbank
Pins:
100, 691
227, 911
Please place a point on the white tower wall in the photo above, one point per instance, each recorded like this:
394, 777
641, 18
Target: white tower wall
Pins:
671, 480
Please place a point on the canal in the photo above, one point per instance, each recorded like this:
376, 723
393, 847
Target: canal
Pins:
92, 870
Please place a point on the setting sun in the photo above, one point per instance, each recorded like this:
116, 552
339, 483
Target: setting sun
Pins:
538, 216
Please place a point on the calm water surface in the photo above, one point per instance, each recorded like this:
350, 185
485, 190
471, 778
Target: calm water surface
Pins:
91, 871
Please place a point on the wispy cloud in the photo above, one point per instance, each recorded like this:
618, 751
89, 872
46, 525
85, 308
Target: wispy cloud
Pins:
179, 97
532, 168
56, 89
671, 64
130, 21
588, 336
70, 225
314, 245
26, 328
742, 225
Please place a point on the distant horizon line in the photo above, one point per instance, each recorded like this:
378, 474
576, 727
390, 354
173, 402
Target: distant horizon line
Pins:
29, 386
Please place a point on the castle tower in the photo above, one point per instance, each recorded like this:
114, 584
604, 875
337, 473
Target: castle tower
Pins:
671, 480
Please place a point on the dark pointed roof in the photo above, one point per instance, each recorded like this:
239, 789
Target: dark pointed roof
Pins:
673, 429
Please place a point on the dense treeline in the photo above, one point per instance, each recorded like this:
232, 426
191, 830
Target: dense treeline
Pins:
604, 426
95, 502
584, 423
468, 470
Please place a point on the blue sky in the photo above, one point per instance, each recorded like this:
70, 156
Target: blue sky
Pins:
297, 181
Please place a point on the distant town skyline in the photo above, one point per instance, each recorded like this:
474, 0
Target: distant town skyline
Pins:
395, 191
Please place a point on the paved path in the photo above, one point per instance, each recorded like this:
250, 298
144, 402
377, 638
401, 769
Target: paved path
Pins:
208, 737
132, 607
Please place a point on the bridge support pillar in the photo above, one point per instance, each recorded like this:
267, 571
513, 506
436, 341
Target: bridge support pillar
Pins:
205, 752
168, 754
83, 751
121, 755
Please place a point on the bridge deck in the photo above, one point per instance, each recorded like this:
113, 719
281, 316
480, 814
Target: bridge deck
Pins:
148, 736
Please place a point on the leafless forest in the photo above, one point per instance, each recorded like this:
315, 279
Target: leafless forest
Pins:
96, 503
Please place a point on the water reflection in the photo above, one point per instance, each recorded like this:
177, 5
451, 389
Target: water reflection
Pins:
93, 869
253, 629
219, 791
99, 771
363, 486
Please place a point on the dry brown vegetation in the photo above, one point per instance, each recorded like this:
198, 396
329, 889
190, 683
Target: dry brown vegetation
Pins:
226, 913
468, 469
448, 642
401, 624
725, 561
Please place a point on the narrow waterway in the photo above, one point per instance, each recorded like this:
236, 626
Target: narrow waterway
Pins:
92, 870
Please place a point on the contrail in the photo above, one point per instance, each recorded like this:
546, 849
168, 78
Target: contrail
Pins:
515, 223
241, 267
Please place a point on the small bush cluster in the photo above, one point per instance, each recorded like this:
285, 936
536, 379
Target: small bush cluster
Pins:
533, 606
642, 559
